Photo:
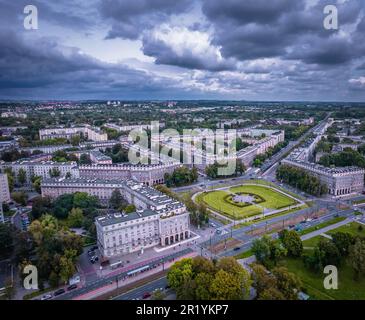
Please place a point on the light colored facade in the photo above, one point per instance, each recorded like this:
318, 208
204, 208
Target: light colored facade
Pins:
41, 168
4, 188
4, 194
13, 115
91, 133
147, 174
159, 219
99, 158
340, 181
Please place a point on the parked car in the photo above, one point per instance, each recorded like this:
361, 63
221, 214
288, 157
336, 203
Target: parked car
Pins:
146, 295
94, 248
236, 249
59, 292
72, 287
46, 297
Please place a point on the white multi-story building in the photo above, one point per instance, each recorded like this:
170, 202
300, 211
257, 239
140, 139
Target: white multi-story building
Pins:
340, 181
147, 174
99, 158
158, 220
4, 188
89, 132
13, 115
42, 168
4, 194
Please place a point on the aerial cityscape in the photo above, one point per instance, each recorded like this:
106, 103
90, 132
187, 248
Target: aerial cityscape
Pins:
188, 150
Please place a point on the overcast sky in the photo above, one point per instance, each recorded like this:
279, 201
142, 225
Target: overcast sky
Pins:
183, 49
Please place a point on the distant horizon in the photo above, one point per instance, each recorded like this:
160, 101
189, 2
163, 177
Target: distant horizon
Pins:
173, 100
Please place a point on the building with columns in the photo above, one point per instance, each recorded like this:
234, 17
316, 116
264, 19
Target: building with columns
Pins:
340, 181
158, 220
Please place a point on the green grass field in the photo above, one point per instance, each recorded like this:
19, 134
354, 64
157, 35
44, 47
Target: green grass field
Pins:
352, 228
348, 288
216, 200
312, 242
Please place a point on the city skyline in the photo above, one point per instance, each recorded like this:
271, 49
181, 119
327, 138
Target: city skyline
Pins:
188, 50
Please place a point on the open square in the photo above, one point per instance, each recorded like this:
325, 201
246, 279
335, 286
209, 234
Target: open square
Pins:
247, 200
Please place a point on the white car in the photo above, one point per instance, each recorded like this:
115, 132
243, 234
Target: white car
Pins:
46, 297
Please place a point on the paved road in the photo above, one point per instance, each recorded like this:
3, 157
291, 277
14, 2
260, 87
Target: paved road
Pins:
137, 293
111, 279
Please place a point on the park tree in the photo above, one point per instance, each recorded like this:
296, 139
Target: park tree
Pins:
56, 249
292, 242
202, 286
75, 218
6, 240
357, 258
226, 286
23, 246
287, 283
20, 198
268, 251
179, 273
75, 140
271, 293
85, 159
116, 200
67, 265
11, 179
22, 176
36, 183
87, 203
331, 255
130, 208
262, 279
203, 265
343, 241
54, 172
261, 249
63, 205
41, 205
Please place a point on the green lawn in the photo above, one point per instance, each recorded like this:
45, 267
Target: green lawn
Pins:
352, 228
273, 199
310, 243
217, 201
244, 254
321, 225
348, 288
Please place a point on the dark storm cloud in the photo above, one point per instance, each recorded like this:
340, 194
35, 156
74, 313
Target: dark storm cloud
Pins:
248, 11
130, 18
70, 15
165, 54
45, 69
282, 28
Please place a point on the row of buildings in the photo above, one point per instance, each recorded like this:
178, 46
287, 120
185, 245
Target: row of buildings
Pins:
147, 174
89, 132
340, 181
158, 219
